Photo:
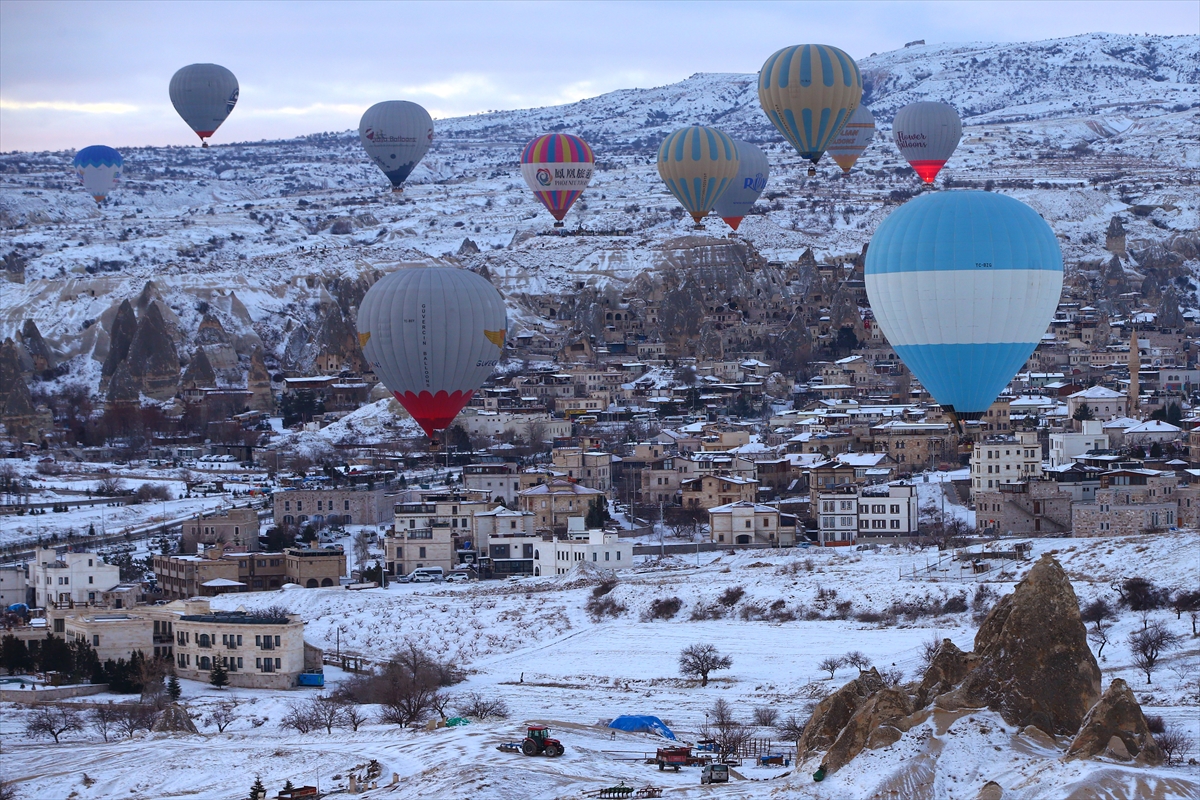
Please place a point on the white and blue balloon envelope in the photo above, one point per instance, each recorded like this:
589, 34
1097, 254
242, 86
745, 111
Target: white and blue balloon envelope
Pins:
963, 285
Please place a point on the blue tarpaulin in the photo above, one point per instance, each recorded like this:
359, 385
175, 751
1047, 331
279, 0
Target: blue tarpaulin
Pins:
638, 723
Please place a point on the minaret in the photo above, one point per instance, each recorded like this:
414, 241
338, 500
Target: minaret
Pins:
1135, 361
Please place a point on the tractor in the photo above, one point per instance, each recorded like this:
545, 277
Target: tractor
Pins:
538, 741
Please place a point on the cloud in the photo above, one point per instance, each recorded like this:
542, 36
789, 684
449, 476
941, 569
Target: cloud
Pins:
67, 105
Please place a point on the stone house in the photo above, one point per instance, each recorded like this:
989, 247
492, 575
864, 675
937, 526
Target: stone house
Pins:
235, 528
745, 522
1103, 402
1005, 459
553, 503
1129, 502
1024, 508
709, 491
593, 469
334, 507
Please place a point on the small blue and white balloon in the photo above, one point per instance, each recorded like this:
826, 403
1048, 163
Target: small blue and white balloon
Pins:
99, 170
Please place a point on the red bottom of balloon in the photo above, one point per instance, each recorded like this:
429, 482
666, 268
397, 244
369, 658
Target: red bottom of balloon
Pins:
733, 222
928, 170
433, 412
205, 134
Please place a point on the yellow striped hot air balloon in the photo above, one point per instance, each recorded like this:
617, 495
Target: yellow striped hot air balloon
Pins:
696, 164
809, 91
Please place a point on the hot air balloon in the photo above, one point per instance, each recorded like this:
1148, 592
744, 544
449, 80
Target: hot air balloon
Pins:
204, 94
99, 170
558, 167
432, 335
808, 91
852, 140
396, 134
963, 285
927, 134
697, 164
748, 184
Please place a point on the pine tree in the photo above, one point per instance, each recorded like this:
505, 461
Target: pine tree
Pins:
258, 791
218, 677
174, 690
287, 785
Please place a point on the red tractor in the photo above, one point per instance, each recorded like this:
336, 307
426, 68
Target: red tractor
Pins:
538, 742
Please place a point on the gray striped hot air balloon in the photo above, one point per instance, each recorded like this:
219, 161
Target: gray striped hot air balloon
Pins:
433, 336
204, 94
753, 170
396, 134
927, 135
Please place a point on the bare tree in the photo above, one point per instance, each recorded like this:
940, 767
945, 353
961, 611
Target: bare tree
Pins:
103, 719
730, 734
791, 727
832, 664
328, 713
353, 716
765, 716
52, 721
299, 718
440, 703
110, 486
1174, 743
856, 659
476, 706
134, 717
1148, 645
362, 549
698, 660
223, 715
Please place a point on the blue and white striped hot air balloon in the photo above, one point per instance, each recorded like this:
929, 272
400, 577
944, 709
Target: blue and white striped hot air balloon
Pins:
99, 170
963, 285
696, 164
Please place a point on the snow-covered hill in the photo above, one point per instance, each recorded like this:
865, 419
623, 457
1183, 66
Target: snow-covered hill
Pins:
264, 236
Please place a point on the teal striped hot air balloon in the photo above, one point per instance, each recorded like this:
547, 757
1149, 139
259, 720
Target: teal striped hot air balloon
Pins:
809, 91
696, 164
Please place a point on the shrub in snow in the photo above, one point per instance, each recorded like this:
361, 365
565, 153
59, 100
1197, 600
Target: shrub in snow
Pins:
698, 660
600, 607
662, 608
477, 706
1174, 743
731, 596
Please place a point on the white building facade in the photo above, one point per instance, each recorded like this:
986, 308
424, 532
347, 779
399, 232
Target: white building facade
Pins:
77, 578
1005, 459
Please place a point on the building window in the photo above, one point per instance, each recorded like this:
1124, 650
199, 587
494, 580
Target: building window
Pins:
95, 640
421, 554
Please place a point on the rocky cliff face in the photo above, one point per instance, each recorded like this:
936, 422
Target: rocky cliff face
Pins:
152, 358
120, 336
1035, 666
1031, 664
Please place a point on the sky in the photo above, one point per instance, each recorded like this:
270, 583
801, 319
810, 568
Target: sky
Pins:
95, 72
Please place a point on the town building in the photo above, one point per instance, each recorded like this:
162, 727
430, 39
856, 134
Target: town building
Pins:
837, 517
746, 522
213, 571
555, 502
1102, 402
1129, 502
334, 508
887, 511
235, 528
13, 587
258, 652
69, 578
708, 491
1005, 459
1024, 508
581, 546
496, 481
591, 468
1064, 447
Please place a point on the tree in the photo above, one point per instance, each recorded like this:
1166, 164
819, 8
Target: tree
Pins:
103, 719
218, 677
362, 549
856, 659
14, 655
174, 690
1183, 602
1141, 594
597, 513
1083, 413
327, 713
1099, 613
258, 791
792, 727
766, 716
698, 660
1148, 645
52, 721
223, 715
832, 664
299, 717
353, 716
134, 717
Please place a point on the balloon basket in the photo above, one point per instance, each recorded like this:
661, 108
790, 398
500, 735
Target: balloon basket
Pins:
397, 190
203, 144
559, 224
812, 172
699, 226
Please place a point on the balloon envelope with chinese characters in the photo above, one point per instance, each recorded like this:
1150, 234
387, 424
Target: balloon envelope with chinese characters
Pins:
557, 167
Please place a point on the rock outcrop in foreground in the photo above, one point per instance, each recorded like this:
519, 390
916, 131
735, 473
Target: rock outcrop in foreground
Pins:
1031, 664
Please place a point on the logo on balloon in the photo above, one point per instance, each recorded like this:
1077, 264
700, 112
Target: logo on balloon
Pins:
370, 134
231, 102
544, 177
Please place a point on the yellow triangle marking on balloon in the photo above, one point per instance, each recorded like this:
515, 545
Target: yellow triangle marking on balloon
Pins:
363, 338
495, 337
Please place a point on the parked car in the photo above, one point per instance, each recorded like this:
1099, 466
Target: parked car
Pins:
714, 773
458, 577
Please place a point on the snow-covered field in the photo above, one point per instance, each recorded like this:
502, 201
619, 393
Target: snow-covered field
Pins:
531, 643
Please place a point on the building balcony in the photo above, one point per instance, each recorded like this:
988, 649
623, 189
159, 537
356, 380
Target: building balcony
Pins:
419, 533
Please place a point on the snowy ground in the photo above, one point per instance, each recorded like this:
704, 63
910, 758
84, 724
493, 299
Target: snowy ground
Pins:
531, 643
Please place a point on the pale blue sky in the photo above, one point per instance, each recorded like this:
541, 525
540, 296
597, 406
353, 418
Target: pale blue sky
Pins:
80, 73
